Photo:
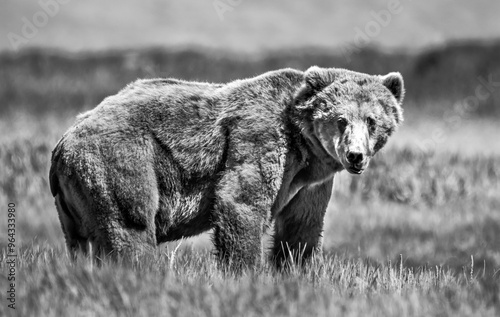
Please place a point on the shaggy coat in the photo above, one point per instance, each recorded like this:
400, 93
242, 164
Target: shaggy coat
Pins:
166, 159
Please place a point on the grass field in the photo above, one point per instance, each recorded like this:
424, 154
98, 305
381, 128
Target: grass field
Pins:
417, 235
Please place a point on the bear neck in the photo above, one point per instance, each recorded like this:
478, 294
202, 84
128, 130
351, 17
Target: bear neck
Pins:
317, 165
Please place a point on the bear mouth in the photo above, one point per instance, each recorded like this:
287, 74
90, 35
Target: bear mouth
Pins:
355, 170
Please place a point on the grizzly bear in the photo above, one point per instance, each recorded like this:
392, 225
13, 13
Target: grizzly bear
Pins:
166, 159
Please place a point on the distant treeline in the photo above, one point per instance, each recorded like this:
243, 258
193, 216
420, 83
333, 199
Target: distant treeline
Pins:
46, 81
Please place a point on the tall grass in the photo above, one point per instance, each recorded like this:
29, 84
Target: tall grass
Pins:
411, 176
194, 286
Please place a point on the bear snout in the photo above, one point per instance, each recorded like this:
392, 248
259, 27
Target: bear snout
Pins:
355, 158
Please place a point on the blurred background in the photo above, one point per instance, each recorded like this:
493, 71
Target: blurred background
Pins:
432, 195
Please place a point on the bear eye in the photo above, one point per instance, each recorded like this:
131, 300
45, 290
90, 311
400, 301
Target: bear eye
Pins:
342, 124
371, 124
321, 104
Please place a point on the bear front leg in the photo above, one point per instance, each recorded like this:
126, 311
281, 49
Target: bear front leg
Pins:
238, 237
240, 213
299, 226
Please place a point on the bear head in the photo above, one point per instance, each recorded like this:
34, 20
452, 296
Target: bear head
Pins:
350, 115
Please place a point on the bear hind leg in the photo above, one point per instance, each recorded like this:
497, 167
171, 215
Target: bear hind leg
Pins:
70, 224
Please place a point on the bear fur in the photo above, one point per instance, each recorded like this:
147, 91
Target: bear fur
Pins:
166, 159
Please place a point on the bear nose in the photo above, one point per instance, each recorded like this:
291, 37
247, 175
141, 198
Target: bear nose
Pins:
354, 157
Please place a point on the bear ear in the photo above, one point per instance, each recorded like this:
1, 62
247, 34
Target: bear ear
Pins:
394, 82
317, 78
